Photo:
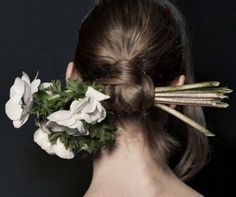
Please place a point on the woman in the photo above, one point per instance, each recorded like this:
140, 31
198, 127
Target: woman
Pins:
132, 46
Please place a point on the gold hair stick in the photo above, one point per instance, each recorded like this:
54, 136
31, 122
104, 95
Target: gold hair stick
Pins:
188, 86
203, 94
199, 94
185, 119
190, 101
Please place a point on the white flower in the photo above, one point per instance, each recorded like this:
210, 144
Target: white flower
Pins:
21, 99
92, 111
41, 138
44, 86
88, 109
65, 120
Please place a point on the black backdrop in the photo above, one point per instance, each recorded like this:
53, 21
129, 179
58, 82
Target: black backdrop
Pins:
41, 35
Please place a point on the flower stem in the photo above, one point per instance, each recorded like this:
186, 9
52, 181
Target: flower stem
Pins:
56, 96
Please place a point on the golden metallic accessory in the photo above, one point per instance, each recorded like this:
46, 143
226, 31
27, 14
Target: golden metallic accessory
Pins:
204, 94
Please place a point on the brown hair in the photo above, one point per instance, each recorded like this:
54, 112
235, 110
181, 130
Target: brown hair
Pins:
132, 46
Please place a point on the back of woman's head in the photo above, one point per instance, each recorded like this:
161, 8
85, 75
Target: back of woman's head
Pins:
132, 46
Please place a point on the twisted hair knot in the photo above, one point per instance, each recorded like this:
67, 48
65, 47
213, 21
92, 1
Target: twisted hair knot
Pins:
130, 88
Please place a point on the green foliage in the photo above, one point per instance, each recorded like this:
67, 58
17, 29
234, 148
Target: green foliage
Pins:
103, 135
54, 98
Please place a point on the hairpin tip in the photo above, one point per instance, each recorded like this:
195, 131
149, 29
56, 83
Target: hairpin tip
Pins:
209, 134
221, 105
229, 90
215, 83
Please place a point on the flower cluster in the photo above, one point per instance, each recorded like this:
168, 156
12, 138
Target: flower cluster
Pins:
69, 120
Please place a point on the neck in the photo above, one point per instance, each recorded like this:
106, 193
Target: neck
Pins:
128, 168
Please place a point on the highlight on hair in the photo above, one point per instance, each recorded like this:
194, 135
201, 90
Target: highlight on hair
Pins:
132, 46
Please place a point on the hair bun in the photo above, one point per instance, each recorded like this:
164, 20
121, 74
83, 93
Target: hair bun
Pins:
131, 90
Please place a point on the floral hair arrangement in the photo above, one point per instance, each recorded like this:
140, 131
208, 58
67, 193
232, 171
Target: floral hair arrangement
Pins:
73, 118
70, 120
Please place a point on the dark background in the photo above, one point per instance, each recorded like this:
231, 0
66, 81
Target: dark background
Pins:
41, 35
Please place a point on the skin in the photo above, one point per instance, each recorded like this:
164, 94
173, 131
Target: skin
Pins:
129, 170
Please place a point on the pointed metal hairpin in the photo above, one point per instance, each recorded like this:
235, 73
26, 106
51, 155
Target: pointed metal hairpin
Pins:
205, 94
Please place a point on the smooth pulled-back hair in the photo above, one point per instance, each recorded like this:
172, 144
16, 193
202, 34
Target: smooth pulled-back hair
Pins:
131, 46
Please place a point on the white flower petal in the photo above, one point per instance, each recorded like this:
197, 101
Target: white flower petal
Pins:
74, 126
60, 115
91, 92
34, 85
102, 114
100, 107
61, 151
59, 128
44, 85
41, 138
25, 77
91, 106
77, 105
94, 117
54, 126
19, 123
73, 132
84, 116
68, 122
27, 96
80, 116
13, 109
27, 108
18, 88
